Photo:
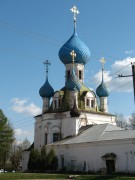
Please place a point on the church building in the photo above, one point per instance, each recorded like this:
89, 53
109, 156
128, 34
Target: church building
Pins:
80, 129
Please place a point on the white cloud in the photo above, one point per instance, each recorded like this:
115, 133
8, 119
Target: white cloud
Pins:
118, 67
23, 106
19, 133
129, 52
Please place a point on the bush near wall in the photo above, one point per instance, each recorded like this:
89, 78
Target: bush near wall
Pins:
42, 161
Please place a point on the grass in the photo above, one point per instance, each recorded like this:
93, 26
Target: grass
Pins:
88, 177
13, 176
21, 176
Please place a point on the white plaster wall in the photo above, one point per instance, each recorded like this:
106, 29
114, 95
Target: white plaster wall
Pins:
103, 104
99, 118
69, 127
125, 151
92, 153
25, 159
66, 124
50, 127
48, 123
46, 104
37, 133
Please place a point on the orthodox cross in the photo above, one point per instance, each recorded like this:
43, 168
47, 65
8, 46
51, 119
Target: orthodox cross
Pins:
47, 64
75, 11
73, 54
103, 61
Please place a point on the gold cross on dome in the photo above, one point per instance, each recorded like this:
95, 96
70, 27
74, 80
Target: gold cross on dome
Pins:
103, 61
47, 63
73, 54
75, 11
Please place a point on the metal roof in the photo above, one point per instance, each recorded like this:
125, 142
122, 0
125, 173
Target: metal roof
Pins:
97, 133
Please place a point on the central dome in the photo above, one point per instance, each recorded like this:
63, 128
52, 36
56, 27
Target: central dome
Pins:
81, 50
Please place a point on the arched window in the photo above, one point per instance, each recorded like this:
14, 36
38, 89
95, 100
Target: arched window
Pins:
80, 74
45, 139
55, 104
92, 103
59, 102
87, 102
68, 73
56, 137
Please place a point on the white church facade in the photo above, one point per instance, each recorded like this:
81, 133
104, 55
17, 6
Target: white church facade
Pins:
82, 132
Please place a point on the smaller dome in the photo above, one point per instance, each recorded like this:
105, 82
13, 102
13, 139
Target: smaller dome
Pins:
46, 91
102, 90
73, 83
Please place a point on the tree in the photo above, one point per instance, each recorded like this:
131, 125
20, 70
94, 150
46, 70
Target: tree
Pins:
6, 139
132, 120
33, 163
16, 156
52, 160
43, 159
16, 153
121, 120
25, 144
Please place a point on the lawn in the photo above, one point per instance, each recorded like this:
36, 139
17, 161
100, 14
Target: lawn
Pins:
21, 176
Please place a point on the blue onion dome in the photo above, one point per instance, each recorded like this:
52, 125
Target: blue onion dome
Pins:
73, 83
102, 90
46, 91
82, 51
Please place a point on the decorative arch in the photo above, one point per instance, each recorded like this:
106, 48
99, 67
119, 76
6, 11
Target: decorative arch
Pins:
55, 129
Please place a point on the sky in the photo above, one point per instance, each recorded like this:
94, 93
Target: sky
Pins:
32, 31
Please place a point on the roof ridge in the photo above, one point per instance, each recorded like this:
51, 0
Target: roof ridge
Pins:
103, 130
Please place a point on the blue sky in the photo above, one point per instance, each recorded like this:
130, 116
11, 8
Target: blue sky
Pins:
33, 31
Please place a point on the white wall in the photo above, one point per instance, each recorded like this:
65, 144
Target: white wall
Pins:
66, 125
92, 153
25, 158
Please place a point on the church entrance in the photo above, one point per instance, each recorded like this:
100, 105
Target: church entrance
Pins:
109, 159
110, 166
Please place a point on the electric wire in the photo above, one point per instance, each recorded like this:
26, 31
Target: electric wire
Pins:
113, 74
25, 126
49, 40
42, 37
27, 117
20, 123
120, 86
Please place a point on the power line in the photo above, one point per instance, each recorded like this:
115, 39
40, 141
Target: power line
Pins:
121, 86
113, 74
42, 37
23, 122
25, 126
22, 119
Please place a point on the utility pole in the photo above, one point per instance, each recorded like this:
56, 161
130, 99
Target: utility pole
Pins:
133, 75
